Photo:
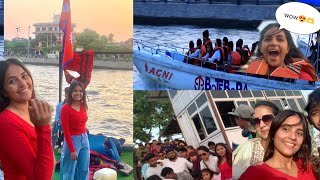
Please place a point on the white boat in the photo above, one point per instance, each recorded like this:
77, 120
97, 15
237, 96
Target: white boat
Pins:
166, 67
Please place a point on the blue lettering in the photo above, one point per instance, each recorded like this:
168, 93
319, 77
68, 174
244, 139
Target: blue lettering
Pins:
226, 85
238, 86
245, 87
207, 84
219, 84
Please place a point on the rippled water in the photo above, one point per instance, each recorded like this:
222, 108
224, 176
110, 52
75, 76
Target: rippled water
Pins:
179, 36
109, 98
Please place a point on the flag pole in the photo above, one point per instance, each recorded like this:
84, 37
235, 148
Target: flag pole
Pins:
60, 76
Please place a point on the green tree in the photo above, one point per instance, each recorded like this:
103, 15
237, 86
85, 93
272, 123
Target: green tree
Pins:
87, 39
149, 115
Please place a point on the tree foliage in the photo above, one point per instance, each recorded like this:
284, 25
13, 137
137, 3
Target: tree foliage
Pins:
149, 115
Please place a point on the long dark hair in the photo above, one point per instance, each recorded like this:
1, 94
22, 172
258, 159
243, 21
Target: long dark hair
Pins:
228, 154
4, 66
294, 52
304, 152
73, 85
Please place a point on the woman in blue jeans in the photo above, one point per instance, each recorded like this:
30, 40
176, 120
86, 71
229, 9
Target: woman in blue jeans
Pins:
75, 157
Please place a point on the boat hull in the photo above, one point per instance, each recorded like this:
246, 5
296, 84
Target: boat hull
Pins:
182, 76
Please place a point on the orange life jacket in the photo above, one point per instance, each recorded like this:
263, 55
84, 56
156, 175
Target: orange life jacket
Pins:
293, 70
221, 53
203, 47
235, 61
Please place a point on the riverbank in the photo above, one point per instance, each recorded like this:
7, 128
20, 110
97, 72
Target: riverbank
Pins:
233, 16
97, 64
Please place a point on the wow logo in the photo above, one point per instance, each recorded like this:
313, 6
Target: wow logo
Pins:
298, 18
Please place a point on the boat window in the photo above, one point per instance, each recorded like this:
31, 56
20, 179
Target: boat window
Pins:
201, 100
233, 94
297, 93
227, 119
197, 123
277, 103
293, 105
191, 109
257, 93
246, 93
252, 103
270, 93
207, 120
173, 93
302, 103
242, 102
285, 104
219, 94
289, 93
280, 93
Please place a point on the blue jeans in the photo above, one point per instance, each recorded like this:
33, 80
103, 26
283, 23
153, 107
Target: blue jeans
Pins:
78, 169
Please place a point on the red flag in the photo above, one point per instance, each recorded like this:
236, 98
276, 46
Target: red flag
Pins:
65, 25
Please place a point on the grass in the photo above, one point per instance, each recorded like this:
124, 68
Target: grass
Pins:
126, 157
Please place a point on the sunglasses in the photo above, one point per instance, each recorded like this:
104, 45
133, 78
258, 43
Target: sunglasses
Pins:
203, 154
267, 119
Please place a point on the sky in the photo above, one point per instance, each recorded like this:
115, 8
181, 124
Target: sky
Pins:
103, 16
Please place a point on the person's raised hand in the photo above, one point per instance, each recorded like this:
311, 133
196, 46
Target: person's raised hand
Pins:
40, 112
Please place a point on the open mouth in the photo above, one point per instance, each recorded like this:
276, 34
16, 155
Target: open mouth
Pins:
24, 90
290, 145
274, 53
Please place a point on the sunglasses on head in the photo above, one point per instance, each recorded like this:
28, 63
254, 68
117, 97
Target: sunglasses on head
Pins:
267, 119
203, 154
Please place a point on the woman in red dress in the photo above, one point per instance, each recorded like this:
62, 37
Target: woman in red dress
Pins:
287, 155
224, 161
25, 145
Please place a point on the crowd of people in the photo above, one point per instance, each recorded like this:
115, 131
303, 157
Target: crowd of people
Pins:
221, 55
177, 160
275, 54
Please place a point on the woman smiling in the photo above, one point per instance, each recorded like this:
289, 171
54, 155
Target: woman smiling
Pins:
287, 155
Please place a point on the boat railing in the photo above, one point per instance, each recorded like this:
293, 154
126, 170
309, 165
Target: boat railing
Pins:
156, 48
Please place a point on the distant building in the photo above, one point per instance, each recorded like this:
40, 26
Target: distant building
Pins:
51, 29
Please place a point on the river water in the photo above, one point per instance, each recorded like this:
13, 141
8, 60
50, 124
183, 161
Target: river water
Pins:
109, 98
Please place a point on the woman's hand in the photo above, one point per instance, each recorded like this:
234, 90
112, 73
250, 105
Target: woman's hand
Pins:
74, 156
40, 112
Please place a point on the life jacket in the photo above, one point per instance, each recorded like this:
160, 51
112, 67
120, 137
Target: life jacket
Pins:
299, 69
83, 64
235, 61
221, 53
203, 47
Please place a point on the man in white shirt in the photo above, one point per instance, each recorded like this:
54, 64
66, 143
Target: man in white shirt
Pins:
154, 168
176, 163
